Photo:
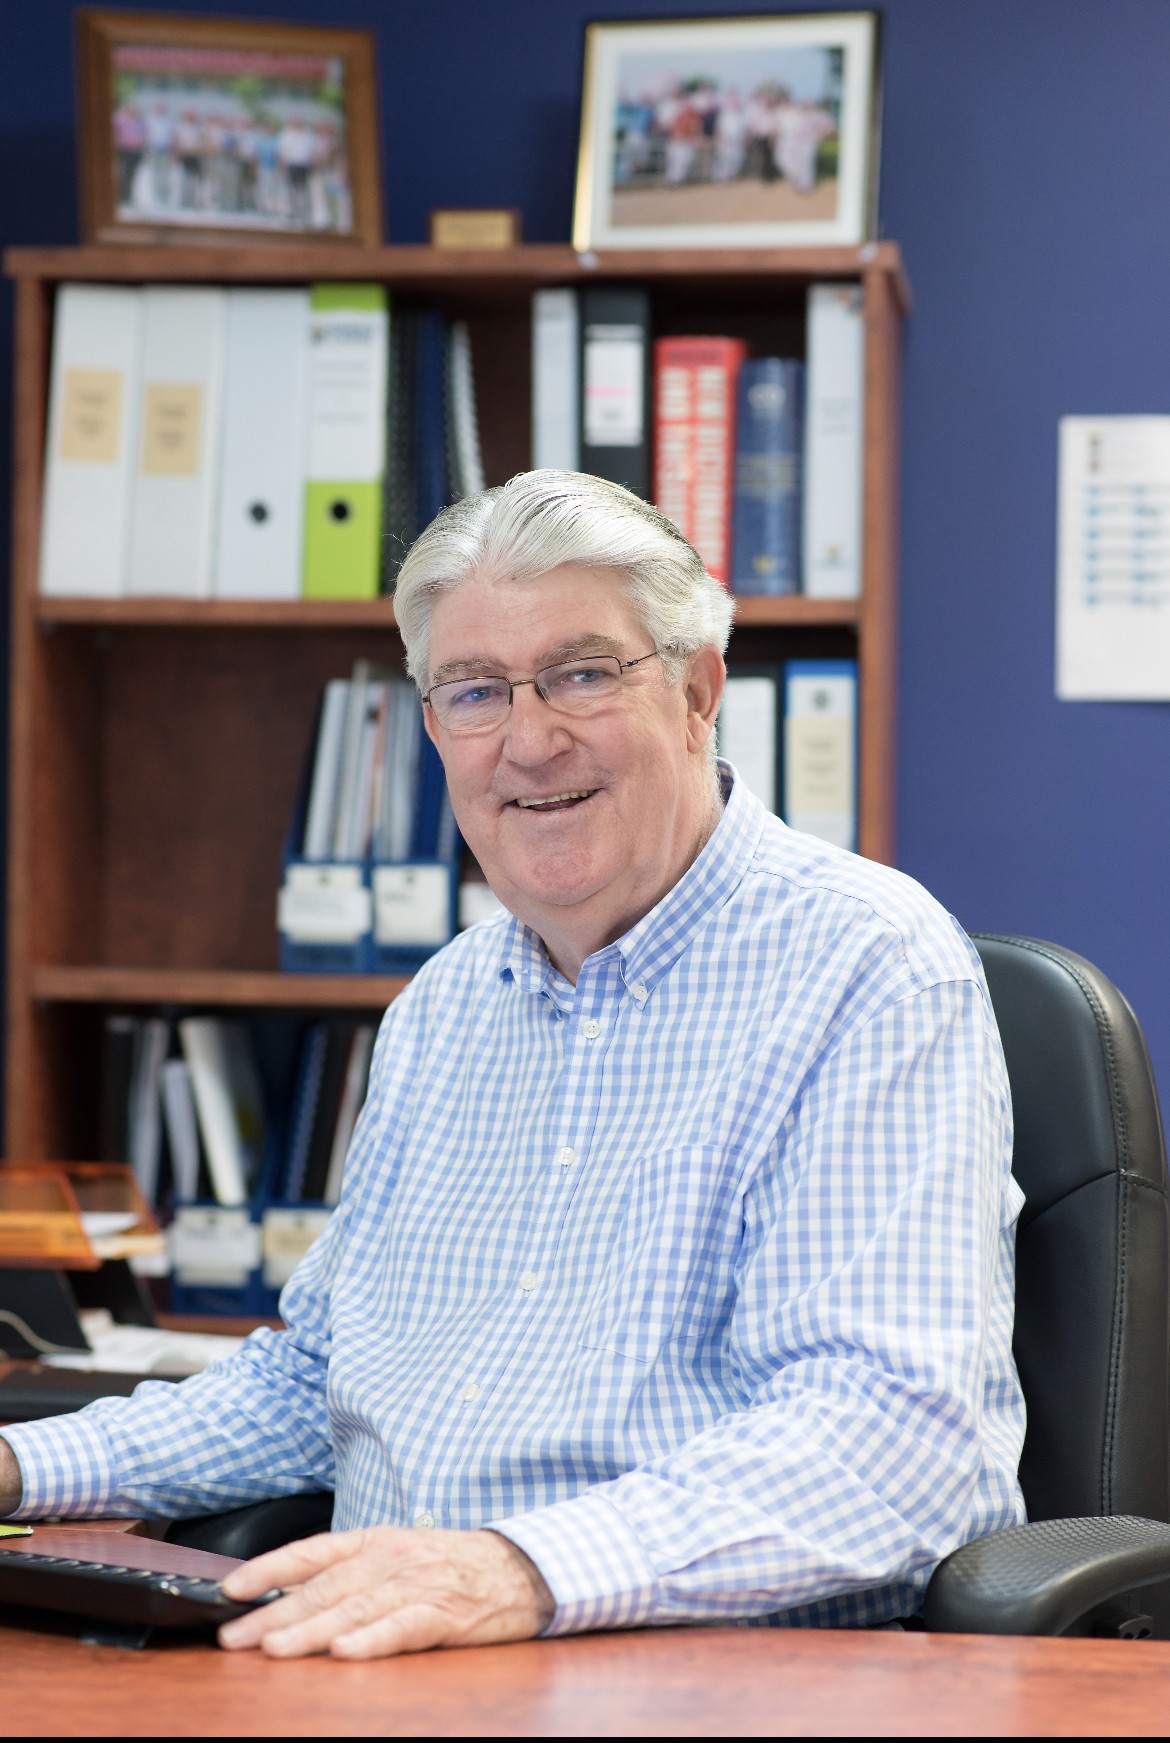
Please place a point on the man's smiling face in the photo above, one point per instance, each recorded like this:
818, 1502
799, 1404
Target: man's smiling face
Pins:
593, 813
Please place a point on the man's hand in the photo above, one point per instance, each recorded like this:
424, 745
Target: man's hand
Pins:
11, 1481
384, 1590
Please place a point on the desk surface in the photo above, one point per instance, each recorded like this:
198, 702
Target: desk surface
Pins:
669, 1682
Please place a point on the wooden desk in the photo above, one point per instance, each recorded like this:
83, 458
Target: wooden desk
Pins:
670, 1682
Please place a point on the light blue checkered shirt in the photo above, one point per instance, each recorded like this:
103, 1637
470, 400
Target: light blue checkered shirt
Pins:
694, 1279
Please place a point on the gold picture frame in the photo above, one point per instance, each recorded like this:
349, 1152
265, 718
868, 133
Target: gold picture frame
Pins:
213, 130
742, 132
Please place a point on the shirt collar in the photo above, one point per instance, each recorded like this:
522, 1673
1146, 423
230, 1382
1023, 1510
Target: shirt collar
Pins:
655, 942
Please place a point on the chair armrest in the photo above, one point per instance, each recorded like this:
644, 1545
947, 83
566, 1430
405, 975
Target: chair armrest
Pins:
254, 1530
1043, 1578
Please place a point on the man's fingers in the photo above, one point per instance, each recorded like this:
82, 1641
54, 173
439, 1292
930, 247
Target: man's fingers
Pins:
292, 1565
315, 1595
414, 1628
316, 1633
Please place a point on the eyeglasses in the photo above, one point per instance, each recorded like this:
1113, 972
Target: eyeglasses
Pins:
480, 704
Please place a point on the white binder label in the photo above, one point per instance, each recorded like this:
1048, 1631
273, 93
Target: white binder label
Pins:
347, 392
613, 386
91, 415
412, 904
212, 1245
323, 904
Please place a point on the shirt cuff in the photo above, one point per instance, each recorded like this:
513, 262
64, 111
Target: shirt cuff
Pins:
593, 1564
66, 1466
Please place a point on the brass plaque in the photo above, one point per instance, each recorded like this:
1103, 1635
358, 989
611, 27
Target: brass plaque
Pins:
170, 436
91, 415
486, 228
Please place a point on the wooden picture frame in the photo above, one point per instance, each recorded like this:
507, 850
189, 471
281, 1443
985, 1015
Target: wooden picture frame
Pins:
212, 130
738, 132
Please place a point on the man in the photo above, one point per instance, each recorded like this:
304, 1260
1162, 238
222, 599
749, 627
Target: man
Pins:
672, 1275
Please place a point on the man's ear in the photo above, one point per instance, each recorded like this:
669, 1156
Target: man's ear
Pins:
703, 686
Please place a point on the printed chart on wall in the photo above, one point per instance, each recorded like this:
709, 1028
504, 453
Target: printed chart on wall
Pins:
1113, 560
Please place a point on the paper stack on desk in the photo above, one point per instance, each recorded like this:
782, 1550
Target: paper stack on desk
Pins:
143, 1349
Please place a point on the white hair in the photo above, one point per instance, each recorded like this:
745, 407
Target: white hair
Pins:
540, 520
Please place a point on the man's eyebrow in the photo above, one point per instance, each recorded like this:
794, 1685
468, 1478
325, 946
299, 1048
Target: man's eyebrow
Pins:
484, 666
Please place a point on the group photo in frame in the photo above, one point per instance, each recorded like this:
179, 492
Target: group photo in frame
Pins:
196, 129
729, 132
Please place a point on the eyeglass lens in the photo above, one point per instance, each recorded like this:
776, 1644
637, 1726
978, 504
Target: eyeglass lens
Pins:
479, 704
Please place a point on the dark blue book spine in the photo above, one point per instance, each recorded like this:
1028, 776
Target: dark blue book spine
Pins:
766, 514
430, 418
430, 786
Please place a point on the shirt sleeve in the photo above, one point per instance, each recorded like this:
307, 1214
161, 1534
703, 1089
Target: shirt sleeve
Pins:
253, 1426
250, 1427
871, 1270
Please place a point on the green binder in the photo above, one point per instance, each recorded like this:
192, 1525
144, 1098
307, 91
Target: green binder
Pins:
348, 334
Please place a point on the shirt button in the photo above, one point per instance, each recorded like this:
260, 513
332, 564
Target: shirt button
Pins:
566, 1157
424, 1521
470, 1393
528, 1281
591, 1028
639, 989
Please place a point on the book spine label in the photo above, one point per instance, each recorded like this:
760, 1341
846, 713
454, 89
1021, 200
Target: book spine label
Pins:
766, 538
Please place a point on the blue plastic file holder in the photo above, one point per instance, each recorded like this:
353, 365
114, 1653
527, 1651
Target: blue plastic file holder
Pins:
411, 910
341, 886
255, 1297
419, 897
249, 1298
384, 937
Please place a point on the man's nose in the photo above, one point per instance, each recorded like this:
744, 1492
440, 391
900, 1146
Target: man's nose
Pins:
534, 732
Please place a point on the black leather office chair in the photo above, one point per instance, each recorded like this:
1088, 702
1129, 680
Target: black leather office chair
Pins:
1092, 1338
1092, 1327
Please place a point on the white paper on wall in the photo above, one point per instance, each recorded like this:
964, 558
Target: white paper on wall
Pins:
1113, 560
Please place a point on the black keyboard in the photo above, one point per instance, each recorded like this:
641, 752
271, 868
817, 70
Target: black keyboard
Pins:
117, 1594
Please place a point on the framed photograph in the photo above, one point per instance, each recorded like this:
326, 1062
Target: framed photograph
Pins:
215, 130
729, 133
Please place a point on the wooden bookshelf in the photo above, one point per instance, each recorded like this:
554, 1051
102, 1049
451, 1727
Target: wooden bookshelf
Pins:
156, 745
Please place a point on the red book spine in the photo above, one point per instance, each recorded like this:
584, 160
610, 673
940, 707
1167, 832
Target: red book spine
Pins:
694, 441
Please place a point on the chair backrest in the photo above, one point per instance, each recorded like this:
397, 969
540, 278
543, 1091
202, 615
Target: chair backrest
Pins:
1092, 1338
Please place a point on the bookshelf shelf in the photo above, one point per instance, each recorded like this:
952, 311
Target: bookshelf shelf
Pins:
315, 614
215, 987
153, 771
507, 272
310, 614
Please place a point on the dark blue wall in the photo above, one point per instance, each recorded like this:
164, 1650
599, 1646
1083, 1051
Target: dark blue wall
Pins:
1025, 168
